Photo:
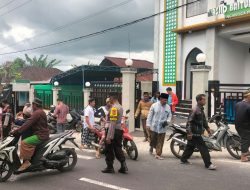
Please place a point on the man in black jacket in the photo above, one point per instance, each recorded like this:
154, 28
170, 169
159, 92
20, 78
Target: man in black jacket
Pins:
196, 125
242, 124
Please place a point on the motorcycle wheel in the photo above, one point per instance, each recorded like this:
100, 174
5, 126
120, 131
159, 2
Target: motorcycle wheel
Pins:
6, 170
176, 148
131, 149
78, 127
233, 147
72, 156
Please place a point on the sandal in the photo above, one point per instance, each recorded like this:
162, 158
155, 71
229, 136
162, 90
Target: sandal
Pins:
159, 157
97, 156
83, 147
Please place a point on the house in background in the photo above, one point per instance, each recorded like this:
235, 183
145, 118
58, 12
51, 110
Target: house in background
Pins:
34, 82
103, 78
144, 76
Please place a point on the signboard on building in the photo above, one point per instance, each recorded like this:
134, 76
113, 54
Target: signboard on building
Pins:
231, 10
169, 70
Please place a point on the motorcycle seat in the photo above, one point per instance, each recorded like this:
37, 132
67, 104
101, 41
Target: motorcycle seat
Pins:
53, 137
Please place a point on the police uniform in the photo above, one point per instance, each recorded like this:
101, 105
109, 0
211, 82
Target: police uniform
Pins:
115, 133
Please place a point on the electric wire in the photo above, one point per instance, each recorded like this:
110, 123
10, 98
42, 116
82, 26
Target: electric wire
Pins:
99, 32
5, 5
19, 6
70, 24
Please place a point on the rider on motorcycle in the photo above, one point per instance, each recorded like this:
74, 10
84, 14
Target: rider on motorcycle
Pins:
40, 133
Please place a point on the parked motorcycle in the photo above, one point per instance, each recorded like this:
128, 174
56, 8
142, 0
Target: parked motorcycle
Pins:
73, 121
127, 143
48, 155
51, 122
223, 137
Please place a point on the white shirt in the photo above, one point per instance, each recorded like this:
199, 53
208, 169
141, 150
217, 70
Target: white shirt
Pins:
157, 115
89, 111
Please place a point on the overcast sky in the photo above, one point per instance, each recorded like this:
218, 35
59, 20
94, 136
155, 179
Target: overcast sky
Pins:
40, 18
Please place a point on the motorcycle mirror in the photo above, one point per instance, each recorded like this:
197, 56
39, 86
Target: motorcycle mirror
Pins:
127, 111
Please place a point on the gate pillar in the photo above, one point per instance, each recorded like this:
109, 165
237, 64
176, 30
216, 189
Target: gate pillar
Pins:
200, 82
128, 94
55, 95
86, 96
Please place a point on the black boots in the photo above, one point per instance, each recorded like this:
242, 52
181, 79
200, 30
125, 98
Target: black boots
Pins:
124, 168
109, 169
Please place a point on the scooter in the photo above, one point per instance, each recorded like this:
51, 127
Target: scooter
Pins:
51, 123
48, 155
74, 123
128, 142
222, 137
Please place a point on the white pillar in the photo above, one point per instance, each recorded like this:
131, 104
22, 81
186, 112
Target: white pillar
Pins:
212, 55
156, 38
128, 94
31, 94
200, 81
86, 95
55, 95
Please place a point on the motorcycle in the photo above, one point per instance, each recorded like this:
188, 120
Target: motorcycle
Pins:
127, 142
51, 122
48, 155
73, 121
223, 137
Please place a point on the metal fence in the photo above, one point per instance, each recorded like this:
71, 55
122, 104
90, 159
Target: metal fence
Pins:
227, 95
101, 90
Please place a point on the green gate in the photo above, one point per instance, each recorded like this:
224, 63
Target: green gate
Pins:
45, 93
72, 96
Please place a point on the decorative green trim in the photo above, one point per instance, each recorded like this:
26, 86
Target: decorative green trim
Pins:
43, 87
22, 81
170, 45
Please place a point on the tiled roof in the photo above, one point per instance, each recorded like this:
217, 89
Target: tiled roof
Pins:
120, 62
38, 74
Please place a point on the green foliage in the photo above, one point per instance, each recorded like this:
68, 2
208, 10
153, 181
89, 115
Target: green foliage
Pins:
42, 61
12, 70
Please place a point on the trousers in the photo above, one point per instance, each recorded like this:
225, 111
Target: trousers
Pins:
115, 149
197, 142
245, 139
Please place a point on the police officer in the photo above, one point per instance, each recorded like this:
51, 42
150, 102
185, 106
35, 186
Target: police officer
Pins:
114, 137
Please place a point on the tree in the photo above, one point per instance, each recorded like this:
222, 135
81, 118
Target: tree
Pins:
19, 63
11, 70
42, 61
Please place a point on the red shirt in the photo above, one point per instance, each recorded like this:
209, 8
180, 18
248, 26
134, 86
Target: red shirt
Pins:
61, 113
174, 102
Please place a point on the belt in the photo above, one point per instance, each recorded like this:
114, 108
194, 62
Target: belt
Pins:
196, 135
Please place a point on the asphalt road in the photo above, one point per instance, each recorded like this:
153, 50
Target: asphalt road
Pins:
145, 174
